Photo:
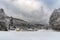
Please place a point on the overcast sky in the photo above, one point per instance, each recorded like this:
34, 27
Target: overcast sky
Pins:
30, 10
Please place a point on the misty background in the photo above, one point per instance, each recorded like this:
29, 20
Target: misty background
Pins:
33, 11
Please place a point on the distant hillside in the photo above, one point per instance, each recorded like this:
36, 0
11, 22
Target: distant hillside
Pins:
55, 19
11, 23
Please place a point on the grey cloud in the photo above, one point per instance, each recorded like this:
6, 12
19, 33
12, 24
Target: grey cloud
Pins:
35, 16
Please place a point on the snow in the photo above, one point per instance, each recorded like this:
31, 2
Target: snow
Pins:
25, 35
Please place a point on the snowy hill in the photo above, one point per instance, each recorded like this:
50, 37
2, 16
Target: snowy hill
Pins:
12, 23
55, 19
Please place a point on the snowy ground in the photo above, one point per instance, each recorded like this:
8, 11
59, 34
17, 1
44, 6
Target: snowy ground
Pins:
38, 35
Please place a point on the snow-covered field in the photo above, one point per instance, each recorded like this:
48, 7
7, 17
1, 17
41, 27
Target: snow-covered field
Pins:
24, 35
